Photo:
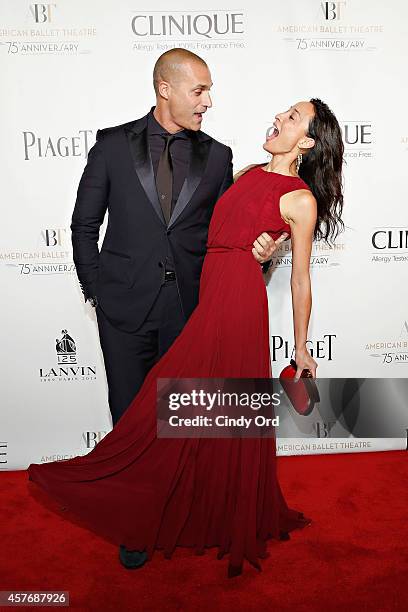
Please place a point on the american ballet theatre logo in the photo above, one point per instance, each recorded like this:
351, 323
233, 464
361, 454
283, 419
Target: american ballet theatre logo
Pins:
41, 147
51, 255
389, 244
44, 29
54, 237
328, 27
391, 350
319, 348
67, 368
332, 11
42, 12
197, 31
91, 438
323, 255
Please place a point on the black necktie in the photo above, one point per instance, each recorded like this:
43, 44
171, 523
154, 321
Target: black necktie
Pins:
164, 178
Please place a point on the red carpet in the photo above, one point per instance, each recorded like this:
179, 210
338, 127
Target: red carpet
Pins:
353, 557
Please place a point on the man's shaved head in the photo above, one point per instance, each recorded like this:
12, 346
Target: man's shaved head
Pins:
171, 65
182, 82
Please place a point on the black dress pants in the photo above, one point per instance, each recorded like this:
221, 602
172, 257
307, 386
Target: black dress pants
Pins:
128, 356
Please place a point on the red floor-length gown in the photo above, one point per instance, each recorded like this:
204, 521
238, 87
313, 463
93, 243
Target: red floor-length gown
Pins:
157, 493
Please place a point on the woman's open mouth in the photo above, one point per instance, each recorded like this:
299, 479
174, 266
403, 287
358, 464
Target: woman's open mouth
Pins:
273, 133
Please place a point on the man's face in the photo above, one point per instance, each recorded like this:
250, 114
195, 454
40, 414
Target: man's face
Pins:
189, 95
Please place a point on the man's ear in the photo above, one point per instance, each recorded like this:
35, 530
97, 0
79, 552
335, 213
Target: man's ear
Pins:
164, 89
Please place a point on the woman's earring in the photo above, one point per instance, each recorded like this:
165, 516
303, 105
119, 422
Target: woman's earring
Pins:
299, 161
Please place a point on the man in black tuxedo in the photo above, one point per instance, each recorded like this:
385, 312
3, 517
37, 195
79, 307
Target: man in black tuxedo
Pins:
159, 177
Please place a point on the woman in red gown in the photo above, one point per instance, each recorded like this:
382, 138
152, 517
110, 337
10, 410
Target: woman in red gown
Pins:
147, 493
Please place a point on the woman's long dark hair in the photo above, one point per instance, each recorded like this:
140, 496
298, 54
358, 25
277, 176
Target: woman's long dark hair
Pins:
321, 169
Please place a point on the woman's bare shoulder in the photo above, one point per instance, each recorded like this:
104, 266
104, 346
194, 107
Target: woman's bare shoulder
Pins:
244, 170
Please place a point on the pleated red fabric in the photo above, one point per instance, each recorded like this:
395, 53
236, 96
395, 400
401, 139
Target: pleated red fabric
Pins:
153, 493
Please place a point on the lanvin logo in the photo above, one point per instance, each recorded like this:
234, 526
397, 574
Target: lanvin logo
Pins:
179, 25
67, 369
66, 348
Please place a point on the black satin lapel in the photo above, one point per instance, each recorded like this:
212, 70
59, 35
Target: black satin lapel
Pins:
198, 162
143, 166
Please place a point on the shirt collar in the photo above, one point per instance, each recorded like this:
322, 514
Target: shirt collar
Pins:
154, 127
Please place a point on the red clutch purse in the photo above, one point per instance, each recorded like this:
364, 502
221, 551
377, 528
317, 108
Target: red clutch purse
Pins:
302, 394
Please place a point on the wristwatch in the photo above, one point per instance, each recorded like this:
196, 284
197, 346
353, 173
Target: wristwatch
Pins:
93, 300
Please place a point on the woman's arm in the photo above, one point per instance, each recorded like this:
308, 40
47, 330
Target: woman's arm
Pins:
300, 209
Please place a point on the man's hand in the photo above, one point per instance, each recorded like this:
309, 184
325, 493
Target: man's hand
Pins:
264, 246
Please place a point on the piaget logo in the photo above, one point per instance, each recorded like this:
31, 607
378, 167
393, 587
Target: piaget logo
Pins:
194, 30
40, 147
320, 348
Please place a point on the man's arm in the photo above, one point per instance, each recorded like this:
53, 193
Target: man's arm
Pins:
89, 212
227, 180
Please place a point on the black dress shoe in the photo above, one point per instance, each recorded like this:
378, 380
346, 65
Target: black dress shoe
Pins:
131, 559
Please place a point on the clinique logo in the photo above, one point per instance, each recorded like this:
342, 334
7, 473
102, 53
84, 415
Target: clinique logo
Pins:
357, 133
358, 139
390, 245
42, 13
319, 349
61, 146
392, 239
185, 25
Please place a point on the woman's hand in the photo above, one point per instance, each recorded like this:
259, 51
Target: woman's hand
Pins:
304, 361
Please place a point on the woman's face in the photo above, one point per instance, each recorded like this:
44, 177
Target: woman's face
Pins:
289, 130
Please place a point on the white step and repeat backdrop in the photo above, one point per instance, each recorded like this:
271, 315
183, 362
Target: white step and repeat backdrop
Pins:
73, 66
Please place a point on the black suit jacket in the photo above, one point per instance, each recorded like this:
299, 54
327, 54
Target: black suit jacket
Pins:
127, 273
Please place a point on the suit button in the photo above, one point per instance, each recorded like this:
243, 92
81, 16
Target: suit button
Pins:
168, 232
